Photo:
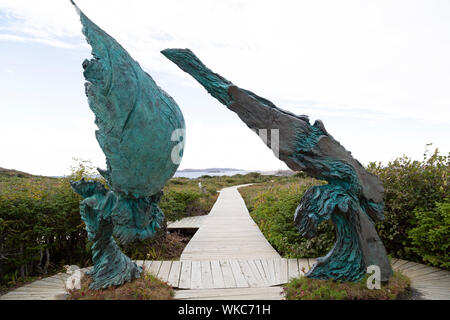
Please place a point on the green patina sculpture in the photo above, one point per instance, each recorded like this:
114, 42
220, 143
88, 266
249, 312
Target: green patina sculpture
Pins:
141, 132
352, 199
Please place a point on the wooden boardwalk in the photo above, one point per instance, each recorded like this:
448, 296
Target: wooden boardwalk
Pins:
432, 283
227, 274
229, 233
51, 288
237, 279
229, 259
187, 223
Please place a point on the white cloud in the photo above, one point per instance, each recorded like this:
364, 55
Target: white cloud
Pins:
50, 42
369, 60
389, 56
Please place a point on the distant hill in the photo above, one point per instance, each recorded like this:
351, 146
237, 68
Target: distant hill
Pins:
224, 171
210, 170
278, 172
14, 173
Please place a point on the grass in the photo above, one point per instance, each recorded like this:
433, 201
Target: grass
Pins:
147, 287
303, 288
184, 197
164, 246
272, 207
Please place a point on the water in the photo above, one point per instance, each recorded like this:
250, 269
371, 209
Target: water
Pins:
197, 174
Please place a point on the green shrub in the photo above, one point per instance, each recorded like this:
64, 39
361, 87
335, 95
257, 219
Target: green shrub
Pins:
431, 235
272, 206
147, 287
40, 228
303, 288
178, 204
409, 185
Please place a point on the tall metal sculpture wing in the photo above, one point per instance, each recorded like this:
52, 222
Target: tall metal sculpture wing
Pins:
141, 132
352, 199
139, 125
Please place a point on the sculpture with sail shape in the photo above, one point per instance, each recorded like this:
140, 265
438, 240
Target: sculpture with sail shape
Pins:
353, 197
139, 126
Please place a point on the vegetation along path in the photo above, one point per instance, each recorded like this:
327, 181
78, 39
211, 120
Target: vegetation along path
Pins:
229, 258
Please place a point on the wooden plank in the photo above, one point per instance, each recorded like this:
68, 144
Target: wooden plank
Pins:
154, 267
227, 273
303, 266
196, 275
241, 282
434, 275
283, 271
231, 294
434, 296
407, 265
266, 271
311, 262
207, 280
260, 267
277, 269
53, 280
164, 270
422, 272
225, 230
60, 276
417, 267
436, 282
393, 261
45, 284
251, 278
269, 269
293, 269
146, 265
260, 277
427, 286
217, 276
174, 275
185, 275
140, 263
40, 290
441, 291
399, 263
187, 223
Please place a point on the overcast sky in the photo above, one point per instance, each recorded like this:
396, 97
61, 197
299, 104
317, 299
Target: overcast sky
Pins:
377, 73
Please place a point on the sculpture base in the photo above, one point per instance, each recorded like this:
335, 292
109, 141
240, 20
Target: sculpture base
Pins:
111, 266
345, 261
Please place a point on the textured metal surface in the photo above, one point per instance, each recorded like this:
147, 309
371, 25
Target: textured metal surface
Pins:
352, 199
139, 126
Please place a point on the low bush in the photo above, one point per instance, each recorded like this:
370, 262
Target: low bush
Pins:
163, 246
178, 204
272, 206
40, 228
303, 288
411, 185
147, 287
430, 238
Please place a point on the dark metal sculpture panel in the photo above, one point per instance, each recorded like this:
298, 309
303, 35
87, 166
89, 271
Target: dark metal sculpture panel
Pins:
139, 127
353, 197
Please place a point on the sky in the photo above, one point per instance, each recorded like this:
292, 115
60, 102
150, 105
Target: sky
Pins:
377, 73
